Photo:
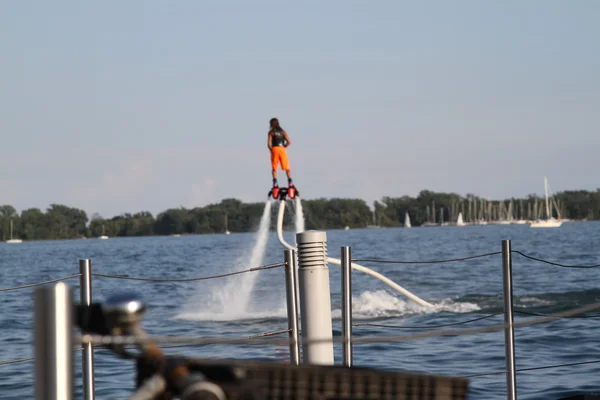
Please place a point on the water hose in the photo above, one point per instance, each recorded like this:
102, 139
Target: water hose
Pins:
355, 266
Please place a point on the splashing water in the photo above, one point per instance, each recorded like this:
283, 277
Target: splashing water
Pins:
262, 236
299, 216
380, 303
230, 301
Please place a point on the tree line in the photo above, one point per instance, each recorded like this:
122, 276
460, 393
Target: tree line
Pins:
64, 222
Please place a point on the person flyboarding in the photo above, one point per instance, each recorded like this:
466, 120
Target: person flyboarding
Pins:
278, 141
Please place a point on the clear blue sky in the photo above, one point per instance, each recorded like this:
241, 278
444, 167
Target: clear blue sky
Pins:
127, 106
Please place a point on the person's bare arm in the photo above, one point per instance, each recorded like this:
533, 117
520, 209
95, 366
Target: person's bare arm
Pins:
287, 139
269, 141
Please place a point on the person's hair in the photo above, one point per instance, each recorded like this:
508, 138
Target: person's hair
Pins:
273, 120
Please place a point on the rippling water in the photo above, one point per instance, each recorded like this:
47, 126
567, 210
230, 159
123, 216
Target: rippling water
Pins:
255, 302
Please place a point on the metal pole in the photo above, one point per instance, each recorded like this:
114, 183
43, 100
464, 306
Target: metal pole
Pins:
509, 333
315, 298
53, 342
347, 305
292, 311
85, 289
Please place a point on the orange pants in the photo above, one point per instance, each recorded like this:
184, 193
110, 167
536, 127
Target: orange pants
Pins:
279, 156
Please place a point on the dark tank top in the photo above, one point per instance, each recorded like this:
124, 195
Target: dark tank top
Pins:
277, 139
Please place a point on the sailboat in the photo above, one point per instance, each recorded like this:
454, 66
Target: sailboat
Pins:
550, 221
103, 234
12, 240
427, 212
459, 220
407, 223
374, 220
442, 223
226, 228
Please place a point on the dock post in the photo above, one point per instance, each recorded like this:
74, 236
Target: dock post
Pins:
292, 303
315, 298
347, 305
509, 332
85, 293
53, 342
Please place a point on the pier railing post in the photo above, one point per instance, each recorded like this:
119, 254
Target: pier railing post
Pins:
85, 292
53, 342
292, 303
315, 298
509, 333
347, 305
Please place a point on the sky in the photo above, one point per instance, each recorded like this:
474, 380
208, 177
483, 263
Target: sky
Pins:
118, 107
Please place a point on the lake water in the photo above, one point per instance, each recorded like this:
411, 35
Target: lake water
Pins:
254, 303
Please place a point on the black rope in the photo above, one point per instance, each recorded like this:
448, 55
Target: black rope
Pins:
558, 365
534, 314
191, 279
18, 360
554, 263
267, 334
468, 321
15, 361
485, 374
40, 283
428, 327
425, 262
382, 261
534, 368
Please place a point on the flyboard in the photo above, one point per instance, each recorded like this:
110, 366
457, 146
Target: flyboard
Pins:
280, 193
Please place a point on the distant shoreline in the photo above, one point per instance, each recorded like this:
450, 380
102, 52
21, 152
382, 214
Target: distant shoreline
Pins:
61, 222
94, 238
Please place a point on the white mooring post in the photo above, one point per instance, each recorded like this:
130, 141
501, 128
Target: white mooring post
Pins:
315, 298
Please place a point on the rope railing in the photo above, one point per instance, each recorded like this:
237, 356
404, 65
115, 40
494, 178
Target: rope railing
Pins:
263, 267
20, 360
260, 335
269, 334
381, 261
426, 326
368, 324
555, 263
40, 283
283, 331
124, 340
260, 268
384, 261
269, 266
533, 368
534, 314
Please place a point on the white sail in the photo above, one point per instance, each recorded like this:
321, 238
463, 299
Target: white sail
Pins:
459, 220
407, 220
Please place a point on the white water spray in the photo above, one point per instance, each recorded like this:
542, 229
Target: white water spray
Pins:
258, 252
231, 300
299, 216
